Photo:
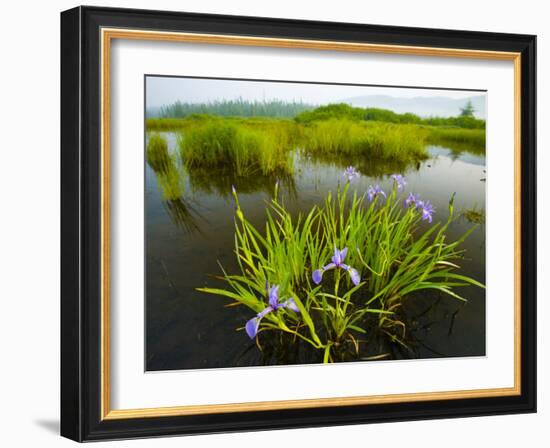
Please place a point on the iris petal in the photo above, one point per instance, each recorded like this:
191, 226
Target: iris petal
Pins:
343, 254
329, 266
317, 276
291, 305
252, 327
253, 324
355, 277
264, 312
274, 296
336, 258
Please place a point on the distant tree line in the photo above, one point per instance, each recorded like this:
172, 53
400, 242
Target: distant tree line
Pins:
343, 110
232, 108
306, 113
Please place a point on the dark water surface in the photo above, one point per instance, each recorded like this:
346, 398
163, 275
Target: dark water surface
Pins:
188, 239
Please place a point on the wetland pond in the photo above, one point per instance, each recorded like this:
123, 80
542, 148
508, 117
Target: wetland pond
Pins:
189, 238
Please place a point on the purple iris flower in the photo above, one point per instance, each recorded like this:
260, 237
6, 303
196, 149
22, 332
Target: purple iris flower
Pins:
351, 173
372, 192
253, 324
399, 180
412, 199
427, 210
337, 262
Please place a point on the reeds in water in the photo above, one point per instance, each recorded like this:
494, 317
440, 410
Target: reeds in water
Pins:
157, 154
171, 180
324, 275
472, 140
245, 149
383, 141
168, 170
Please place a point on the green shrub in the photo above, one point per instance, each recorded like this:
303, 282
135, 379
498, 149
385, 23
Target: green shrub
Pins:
331, 111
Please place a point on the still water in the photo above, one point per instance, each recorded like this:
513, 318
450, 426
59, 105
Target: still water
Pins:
187, 240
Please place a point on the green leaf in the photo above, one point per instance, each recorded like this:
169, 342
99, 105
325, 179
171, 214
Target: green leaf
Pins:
307, 319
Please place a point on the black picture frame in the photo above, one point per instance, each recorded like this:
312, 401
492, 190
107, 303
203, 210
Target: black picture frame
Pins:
81, 223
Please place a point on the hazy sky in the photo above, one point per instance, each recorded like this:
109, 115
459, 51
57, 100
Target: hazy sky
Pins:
163, 91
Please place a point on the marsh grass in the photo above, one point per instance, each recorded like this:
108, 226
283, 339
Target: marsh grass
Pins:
396, 257
165, 124
171, 184
157, 154
171, 179
247, 149
174, 124
472, 140
264, 146
381, 141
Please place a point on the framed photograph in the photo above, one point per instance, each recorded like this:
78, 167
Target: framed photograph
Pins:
272, 223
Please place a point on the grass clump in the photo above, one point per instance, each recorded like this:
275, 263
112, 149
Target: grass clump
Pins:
339, 274
474, 138
373, 140
157, 154
171, 180
169, 173
245, 149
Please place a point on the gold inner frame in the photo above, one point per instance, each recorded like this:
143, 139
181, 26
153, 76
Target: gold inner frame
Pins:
107, 35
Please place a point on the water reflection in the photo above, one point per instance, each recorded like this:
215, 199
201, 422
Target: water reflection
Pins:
461, 151
183, 214
367, 166
171, 183
219, 181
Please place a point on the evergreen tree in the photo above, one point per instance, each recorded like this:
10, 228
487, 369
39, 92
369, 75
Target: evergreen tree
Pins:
468, 110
